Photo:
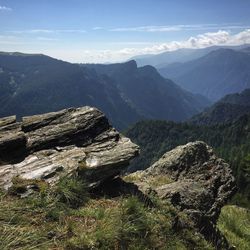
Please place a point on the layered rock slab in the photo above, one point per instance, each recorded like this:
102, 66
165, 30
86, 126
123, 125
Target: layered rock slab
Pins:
71, 141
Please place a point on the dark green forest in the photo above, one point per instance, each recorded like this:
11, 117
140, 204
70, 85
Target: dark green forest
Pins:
230, 141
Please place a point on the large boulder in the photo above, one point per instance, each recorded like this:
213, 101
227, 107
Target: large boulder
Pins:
72, 141
194, 180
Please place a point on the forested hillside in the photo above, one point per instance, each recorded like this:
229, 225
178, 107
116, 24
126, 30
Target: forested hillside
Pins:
227, 109
230, 141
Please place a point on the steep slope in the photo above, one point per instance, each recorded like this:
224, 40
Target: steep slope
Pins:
33, 84
242, 98
180, 55
226, 110
214, 75
149, 93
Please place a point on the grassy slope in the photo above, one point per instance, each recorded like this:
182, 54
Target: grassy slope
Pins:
52, 221
234, 222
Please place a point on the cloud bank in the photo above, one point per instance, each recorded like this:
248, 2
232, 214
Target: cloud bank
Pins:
221, 37
127, 49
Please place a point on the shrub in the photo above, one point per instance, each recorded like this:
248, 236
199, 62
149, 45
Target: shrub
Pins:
71, 191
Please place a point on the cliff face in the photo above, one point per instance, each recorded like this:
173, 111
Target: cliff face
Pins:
71, 141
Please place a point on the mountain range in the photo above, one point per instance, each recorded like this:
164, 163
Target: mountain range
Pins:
181, 55
151, 95
33, 84
218, 73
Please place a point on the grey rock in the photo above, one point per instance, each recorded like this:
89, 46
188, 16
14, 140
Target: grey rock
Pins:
200, 184
66, 127
12, 139
72, 141
7, 120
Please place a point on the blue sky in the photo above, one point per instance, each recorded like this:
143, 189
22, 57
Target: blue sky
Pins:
115, 30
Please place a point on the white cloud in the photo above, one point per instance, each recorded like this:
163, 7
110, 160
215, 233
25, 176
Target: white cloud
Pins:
242, 37
130, 43
97, 28
46, 31
71, 31
48, 39
220, 37
4, 8
35, 31
124, 51
148, 29
180, 27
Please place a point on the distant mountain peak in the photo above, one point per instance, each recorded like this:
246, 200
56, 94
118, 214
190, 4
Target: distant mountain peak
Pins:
131, 62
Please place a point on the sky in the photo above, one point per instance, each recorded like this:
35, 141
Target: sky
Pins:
115, 30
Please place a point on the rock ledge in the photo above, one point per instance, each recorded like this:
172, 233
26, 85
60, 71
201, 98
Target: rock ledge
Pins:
47, 146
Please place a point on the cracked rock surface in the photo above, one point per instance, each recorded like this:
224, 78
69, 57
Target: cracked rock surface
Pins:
75, 140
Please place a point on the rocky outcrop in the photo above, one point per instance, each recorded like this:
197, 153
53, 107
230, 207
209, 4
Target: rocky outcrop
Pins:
195, 181
72, 141
80, 141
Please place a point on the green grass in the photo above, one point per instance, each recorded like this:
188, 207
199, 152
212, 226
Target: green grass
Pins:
126, 223
19, 223
152, 181
20, 237
234, 222
72, 191
65, 217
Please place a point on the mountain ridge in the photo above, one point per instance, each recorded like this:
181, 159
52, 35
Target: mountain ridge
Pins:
214, 75
180, 55
36, 84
